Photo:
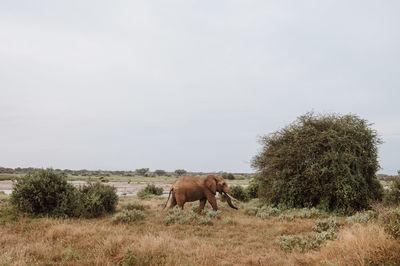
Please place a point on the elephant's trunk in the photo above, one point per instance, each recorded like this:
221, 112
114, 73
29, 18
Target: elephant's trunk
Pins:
228, 199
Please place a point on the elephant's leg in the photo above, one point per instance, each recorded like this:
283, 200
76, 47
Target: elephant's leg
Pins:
201, 206
212, 200
180, 200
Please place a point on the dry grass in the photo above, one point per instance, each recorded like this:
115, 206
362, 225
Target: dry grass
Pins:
246, 241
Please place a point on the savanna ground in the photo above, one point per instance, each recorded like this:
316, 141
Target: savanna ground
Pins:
233, 238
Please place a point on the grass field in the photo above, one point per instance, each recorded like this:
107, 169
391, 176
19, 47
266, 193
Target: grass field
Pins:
232, 238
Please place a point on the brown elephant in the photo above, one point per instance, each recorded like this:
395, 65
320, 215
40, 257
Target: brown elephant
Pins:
202, 188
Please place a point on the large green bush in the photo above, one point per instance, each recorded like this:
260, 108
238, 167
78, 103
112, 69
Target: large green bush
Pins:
326, 161
46, 192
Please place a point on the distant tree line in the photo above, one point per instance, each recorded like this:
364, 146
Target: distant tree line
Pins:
137, 172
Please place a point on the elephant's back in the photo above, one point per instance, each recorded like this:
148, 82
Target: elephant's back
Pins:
185, 182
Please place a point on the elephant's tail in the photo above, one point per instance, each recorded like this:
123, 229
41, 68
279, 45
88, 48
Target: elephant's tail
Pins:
168, 197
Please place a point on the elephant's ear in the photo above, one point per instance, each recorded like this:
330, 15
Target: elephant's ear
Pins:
211, 183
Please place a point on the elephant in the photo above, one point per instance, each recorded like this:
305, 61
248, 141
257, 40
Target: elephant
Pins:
202, 188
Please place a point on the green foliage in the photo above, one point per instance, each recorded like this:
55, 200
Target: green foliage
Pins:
228, 176
142, 171
264, 211
150, 190
46, 192
180, 172
286, 217
392, 196
128, 216
324, 161
98, 199
239, 193
160, 172
252, 189
363, 217
391, 221
326, 231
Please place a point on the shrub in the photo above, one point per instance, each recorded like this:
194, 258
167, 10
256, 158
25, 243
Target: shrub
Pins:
45, 192
329, 224
392, 195
142, 171
239, 193
286, 217
98, 199
267, 211
292, 242
228, 176
252, 189
180, 172
324, 161
362, 217
150, 190
127, 216
391, 221
160, 172
326, 231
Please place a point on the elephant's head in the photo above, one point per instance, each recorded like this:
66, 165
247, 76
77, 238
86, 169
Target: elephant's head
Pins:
218, 184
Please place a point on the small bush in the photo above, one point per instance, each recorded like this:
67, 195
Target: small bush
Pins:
239, 193
149, 191
267, 211
286, 217
326, 225
127, 216
362, 217
391, 221
326, 231
98, 199
178, 216
292, 242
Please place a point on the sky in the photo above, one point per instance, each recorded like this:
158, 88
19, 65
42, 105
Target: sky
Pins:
192, 84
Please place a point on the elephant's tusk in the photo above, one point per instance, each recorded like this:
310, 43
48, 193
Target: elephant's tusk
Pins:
232, 198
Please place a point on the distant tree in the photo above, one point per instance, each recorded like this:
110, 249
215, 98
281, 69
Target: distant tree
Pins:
160, 172
327, 161
180, 172
142, 171
229, 176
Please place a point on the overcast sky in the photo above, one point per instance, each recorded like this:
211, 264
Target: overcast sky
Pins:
121, 85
